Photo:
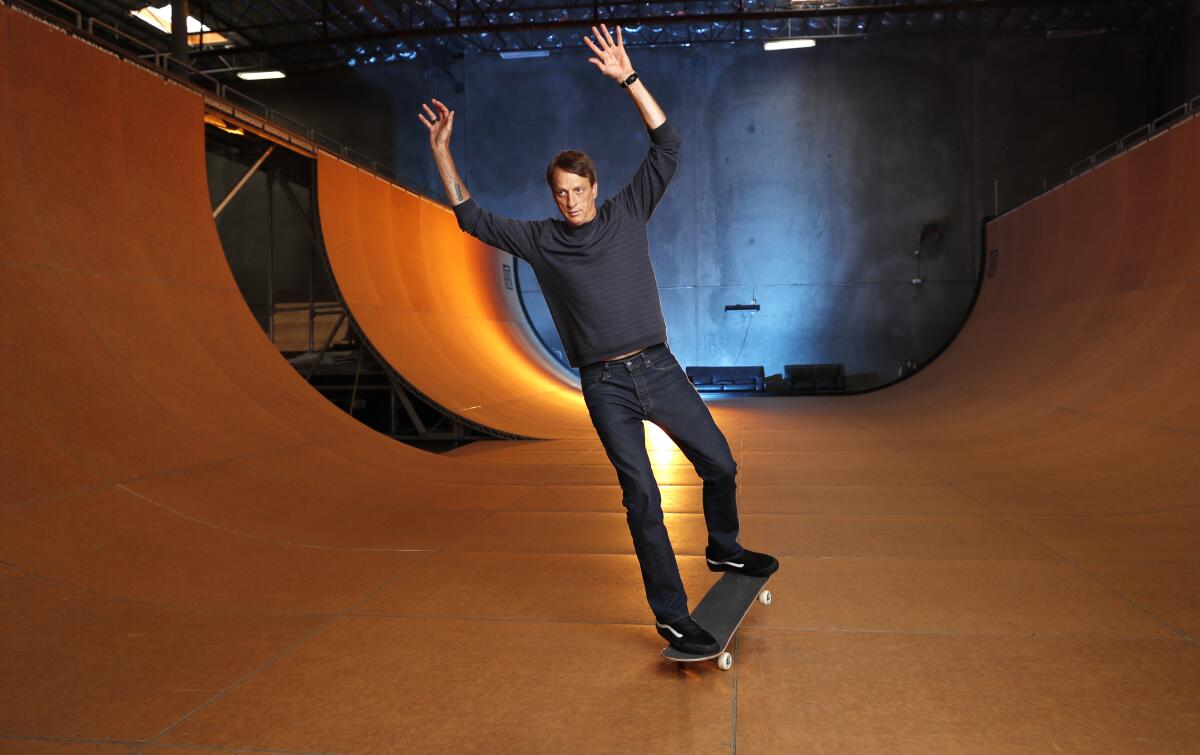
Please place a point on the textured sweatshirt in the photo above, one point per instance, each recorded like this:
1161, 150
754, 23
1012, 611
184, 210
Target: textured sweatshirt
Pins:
597, 278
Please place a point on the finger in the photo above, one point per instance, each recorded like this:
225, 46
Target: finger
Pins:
597, 63
588, 41
442, 108
599, 38
620, 42
608, 36
427, 110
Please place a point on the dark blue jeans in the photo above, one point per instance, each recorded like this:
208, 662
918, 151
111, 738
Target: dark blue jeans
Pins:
652, 386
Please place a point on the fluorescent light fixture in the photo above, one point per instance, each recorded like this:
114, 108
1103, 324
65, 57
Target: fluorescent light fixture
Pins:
160, 18
789, 44
518, 54
260, 75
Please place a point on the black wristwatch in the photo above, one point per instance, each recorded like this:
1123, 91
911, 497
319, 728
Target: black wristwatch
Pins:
632, 78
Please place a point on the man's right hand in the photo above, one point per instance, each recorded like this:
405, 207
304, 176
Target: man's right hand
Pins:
440, 124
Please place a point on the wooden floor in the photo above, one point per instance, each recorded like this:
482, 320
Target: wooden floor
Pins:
199, 554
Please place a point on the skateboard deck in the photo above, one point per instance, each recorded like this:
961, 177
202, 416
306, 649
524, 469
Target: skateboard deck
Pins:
721, 612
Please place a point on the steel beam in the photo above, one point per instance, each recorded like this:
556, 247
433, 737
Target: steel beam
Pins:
242, 182
672, 20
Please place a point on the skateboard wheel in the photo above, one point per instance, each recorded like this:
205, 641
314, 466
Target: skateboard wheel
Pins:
764, 597
724, 661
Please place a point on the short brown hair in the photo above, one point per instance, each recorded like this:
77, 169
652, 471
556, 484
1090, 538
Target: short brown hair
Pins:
572, 162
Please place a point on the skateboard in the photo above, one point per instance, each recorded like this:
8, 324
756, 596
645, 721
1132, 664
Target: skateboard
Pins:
721, 613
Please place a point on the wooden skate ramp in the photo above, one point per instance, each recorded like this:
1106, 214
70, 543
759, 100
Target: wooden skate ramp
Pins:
135, 376
197, 551
430, 300
159, 461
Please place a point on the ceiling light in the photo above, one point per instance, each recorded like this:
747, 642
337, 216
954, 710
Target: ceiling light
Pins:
518, 54
260, 75
789, 44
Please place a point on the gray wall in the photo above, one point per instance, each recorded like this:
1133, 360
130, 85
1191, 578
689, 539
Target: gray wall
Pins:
805, 177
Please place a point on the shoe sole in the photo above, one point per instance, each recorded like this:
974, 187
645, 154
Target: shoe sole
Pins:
714, 648
736, 568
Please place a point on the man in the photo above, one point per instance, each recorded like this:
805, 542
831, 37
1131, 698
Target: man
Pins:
594, 268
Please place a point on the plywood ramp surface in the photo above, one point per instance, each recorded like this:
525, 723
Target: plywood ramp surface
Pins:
430, 300
198, 552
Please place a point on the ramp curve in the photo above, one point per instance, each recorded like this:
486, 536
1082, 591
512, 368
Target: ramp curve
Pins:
430, 300
197, 550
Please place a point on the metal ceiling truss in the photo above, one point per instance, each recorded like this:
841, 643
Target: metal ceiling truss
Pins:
305, 34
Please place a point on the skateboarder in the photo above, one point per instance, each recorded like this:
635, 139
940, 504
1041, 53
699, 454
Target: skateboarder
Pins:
594, 268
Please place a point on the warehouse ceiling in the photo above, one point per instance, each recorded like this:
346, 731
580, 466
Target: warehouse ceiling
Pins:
294, 35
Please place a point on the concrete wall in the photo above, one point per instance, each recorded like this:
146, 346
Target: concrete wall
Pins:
805, 178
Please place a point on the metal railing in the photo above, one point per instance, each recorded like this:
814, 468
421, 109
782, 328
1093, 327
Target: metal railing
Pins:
1165, 122
220, 96
1033, 187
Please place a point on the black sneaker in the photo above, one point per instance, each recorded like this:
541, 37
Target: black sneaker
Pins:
747, 562
687, 636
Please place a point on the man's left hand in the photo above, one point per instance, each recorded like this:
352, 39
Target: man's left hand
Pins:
611, 58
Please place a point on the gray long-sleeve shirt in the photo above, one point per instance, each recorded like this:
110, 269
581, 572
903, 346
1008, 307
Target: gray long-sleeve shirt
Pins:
597, 278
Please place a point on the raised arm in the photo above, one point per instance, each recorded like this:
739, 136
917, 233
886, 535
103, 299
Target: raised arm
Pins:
440, 125
642, 194
513, 236
613, 62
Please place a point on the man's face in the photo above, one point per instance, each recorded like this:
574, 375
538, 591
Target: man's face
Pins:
575, 197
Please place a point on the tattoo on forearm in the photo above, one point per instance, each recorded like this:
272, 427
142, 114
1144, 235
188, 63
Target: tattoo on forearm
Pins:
457, 191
